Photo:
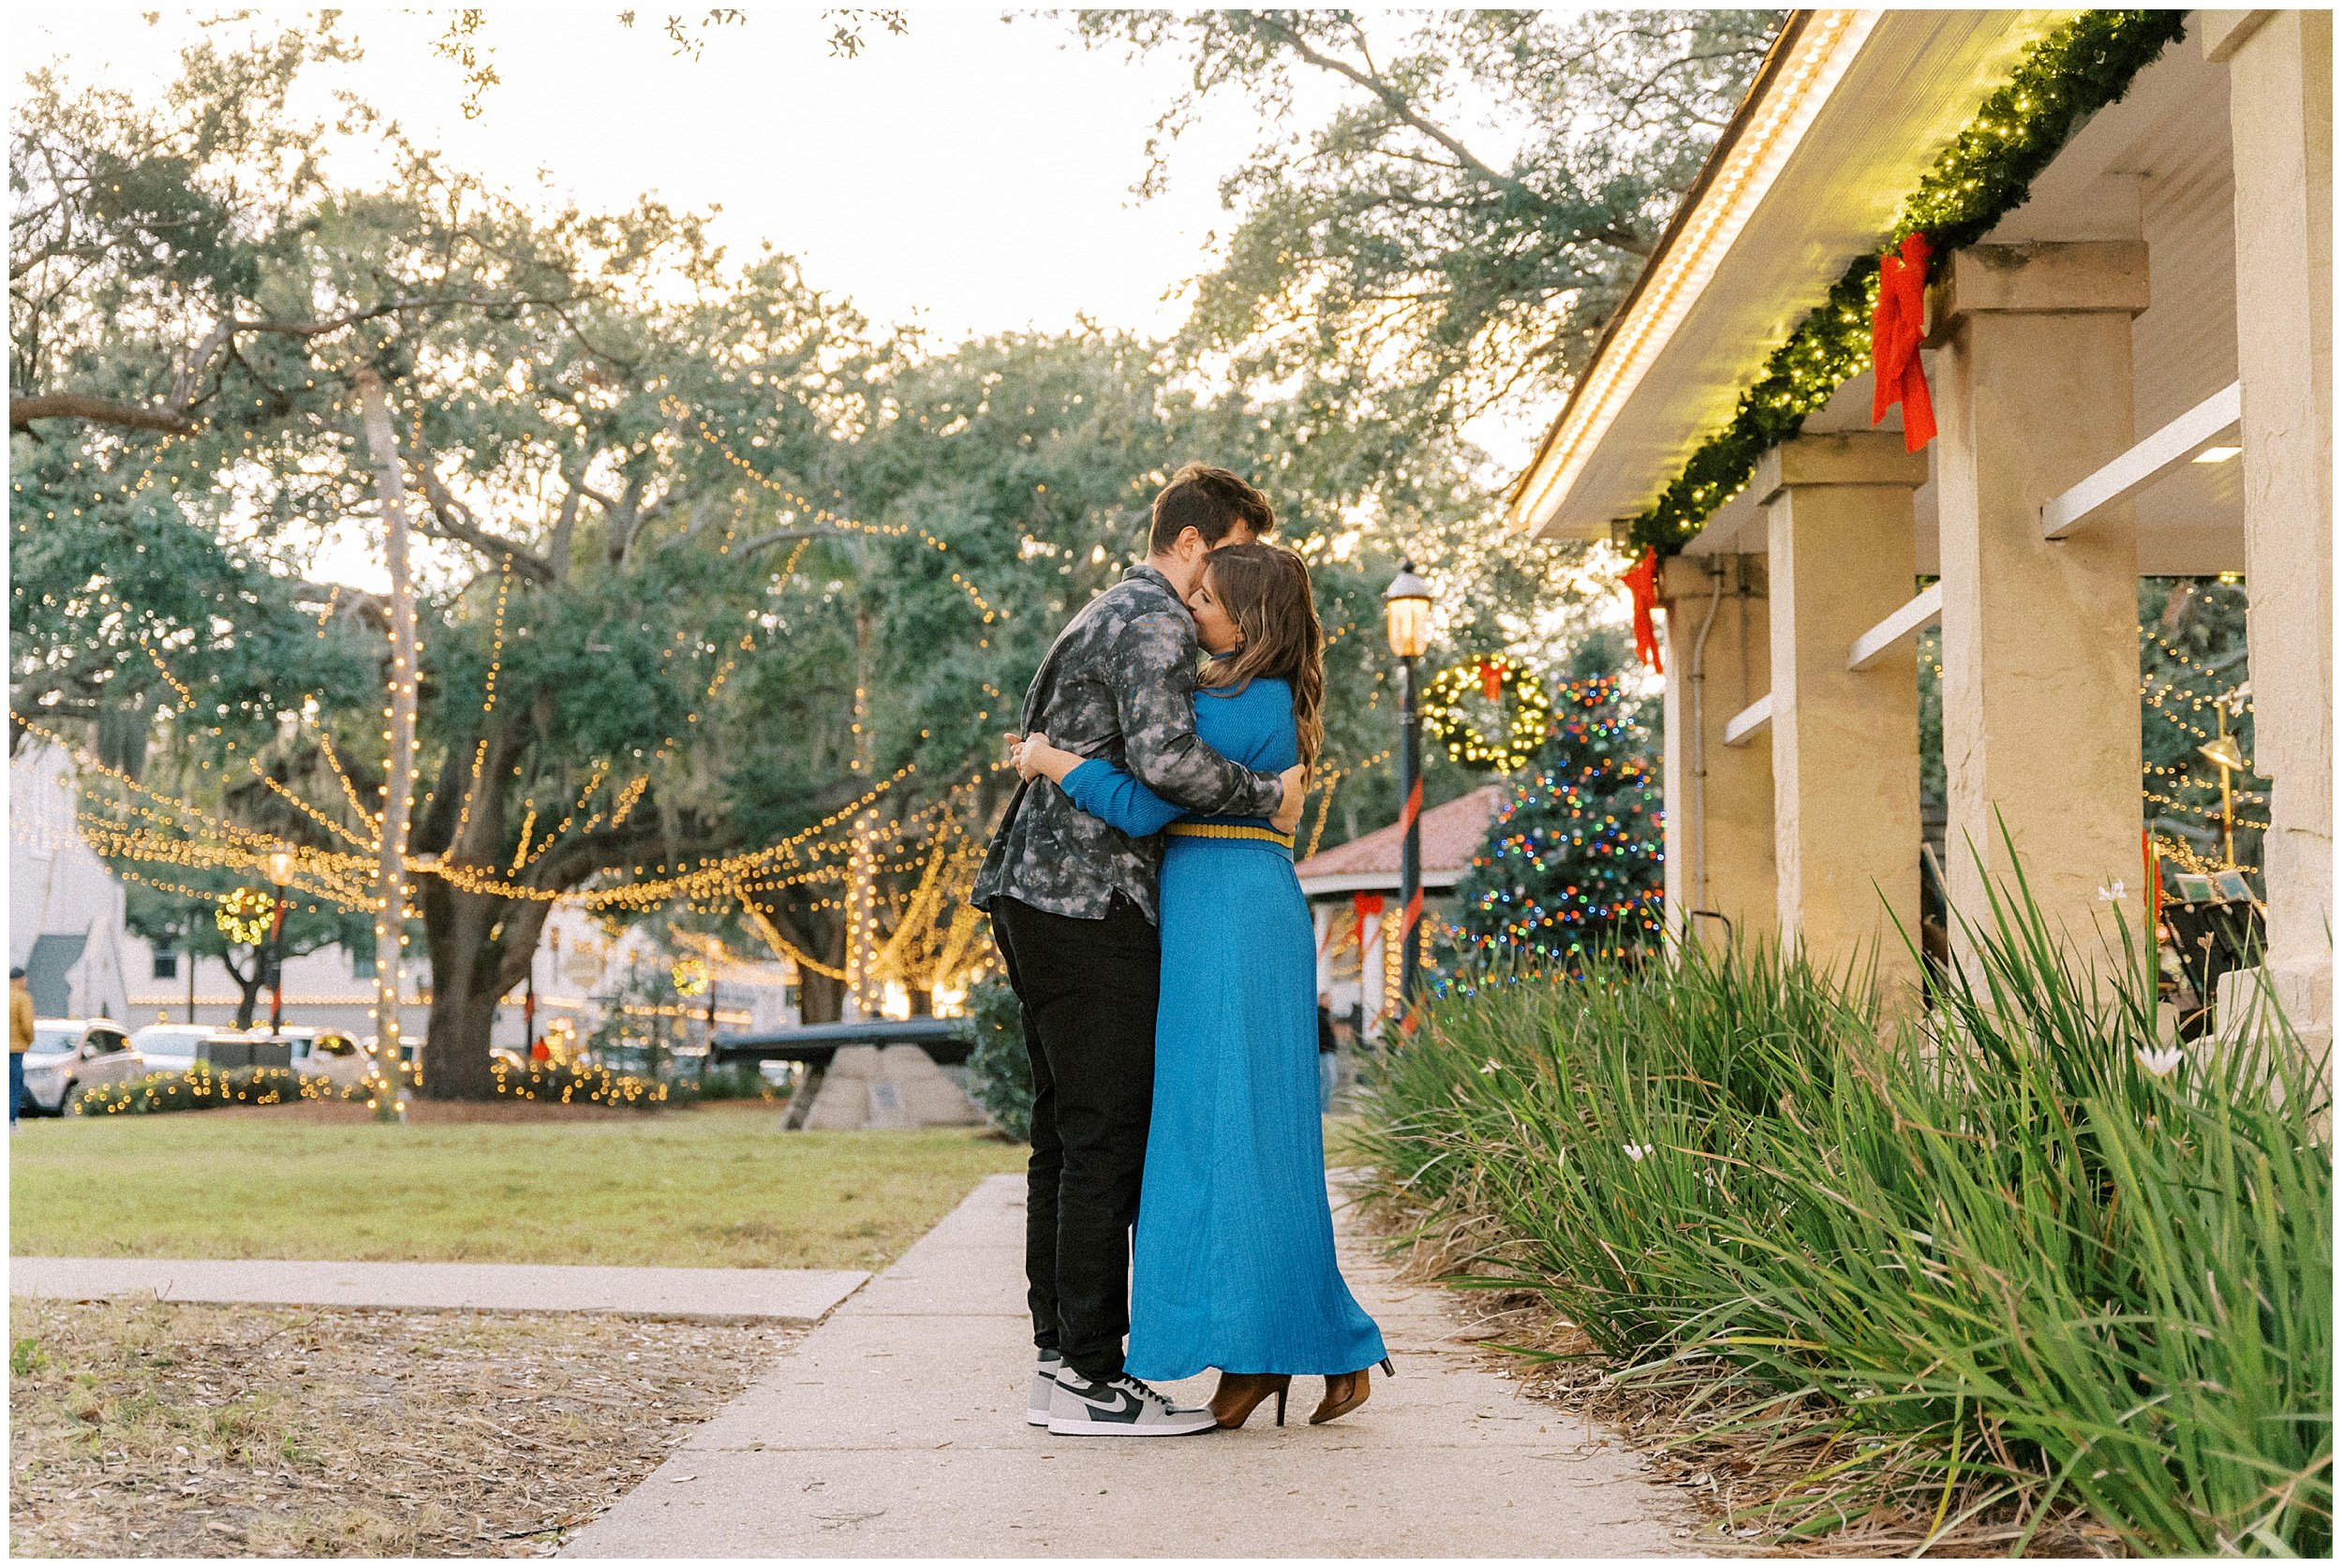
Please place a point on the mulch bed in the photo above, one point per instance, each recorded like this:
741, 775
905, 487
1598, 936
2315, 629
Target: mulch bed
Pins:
145, 1429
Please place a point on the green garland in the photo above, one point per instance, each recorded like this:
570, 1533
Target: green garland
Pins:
1984, 174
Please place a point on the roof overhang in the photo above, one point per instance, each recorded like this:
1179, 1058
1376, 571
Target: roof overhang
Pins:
1847, 113
2154, 167
1333, 884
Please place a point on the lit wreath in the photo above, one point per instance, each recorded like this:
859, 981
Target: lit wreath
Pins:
244, 915
1527, 716
690, 978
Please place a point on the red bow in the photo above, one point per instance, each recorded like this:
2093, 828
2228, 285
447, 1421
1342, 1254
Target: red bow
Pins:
1491, 679
1643, 581
1896, 329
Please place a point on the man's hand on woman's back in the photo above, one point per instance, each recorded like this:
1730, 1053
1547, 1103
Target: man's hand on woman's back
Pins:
1296, 782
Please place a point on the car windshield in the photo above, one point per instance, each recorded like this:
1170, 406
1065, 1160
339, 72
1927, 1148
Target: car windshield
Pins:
55, 1040
170, 1040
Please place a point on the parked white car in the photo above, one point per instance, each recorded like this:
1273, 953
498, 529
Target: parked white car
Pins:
170, 1047
326, 1053
69, 1055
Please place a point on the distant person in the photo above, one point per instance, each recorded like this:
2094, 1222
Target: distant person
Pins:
1328, 1043
20, 1039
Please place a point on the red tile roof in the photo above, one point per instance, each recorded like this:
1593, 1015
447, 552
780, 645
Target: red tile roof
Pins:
1452, 835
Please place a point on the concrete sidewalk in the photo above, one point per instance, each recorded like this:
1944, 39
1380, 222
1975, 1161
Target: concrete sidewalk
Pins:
716, 1295
897, 1429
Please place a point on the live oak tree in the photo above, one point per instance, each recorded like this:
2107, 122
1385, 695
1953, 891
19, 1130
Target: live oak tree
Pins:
183, 276
1460, 226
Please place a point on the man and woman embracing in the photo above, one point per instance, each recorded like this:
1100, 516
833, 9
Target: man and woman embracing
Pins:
1142, 895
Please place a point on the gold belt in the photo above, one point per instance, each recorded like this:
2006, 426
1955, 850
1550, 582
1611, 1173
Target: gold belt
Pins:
1229, 830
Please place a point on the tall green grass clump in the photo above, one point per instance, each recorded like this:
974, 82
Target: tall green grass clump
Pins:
1965, 1273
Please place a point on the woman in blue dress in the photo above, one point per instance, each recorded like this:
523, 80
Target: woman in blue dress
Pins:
1233, 1266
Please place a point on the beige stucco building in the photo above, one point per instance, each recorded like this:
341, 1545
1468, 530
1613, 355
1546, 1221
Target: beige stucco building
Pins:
2160, 301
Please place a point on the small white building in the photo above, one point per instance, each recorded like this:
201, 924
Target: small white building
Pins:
1354, 888
65, 908
2132, 375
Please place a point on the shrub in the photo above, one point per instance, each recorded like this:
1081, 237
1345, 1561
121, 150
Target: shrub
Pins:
199, 1087
1973, 1274
1000, 1074
738, 1080
589, 1085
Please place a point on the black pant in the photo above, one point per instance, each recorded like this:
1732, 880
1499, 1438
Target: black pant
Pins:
1088, 989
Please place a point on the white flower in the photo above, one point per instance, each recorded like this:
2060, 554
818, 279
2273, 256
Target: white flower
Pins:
2113, 892
1635, 1152
2162, 1060
1488, 1067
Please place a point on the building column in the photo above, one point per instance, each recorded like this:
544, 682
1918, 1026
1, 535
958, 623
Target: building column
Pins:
2040, 637
1719, 798
2281, 125
1846, 743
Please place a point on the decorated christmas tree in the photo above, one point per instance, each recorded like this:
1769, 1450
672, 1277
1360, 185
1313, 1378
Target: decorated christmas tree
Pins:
1572, 862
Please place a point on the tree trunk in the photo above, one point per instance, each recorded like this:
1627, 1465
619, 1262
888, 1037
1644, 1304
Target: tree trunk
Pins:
464, 993
455, 1052
922, 1004
250, 989
250, 1004
821, 998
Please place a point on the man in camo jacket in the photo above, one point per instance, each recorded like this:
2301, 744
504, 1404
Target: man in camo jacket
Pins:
1073, 907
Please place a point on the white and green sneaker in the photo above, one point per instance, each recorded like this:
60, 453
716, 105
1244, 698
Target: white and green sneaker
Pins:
1046, 1367
1119, 1406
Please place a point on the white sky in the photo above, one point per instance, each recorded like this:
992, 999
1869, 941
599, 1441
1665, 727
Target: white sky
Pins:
972, 176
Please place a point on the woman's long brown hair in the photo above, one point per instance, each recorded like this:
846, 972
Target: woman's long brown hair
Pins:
1265, 590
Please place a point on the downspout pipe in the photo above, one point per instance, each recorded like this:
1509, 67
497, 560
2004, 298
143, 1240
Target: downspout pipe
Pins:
1698, 901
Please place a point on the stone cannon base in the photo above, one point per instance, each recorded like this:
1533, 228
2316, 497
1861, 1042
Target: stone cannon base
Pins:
875, 1087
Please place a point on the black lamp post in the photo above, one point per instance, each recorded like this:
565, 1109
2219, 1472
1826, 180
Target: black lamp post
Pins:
1407, 616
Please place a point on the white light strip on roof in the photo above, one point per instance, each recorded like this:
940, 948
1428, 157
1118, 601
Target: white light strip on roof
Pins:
1829, 46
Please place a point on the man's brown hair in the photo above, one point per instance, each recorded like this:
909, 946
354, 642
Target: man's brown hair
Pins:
1209, 500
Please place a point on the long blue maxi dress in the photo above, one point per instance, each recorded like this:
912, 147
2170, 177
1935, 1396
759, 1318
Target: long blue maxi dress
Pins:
1233, 1265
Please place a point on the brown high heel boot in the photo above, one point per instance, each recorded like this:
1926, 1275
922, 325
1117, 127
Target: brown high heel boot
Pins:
1345, 1391
1239, 1393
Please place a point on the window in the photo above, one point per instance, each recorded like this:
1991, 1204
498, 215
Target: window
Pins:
165, 964
105, 1042
362, 966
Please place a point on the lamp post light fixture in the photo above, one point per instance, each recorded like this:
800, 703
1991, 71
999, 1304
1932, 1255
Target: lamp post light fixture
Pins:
2223, 754
1407, 617
280, 865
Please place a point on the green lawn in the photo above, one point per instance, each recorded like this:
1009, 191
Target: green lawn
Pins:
720, 1186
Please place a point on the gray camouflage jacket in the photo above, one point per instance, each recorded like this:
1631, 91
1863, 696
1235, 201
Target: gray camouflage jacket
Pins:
1119, 682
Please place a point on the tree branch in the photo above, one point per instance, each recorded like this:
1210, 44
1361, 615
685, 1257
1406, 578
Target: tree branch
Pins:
172, 417
1396, 101
22, 411
452, 520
